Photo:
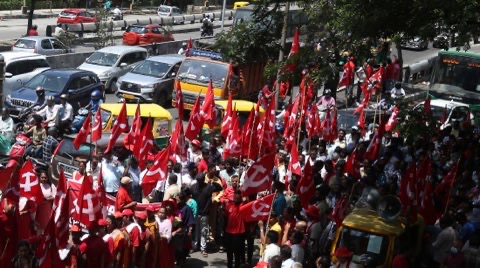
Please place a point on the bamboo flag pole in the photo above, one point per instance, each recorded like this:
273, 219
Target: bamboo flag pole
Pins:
268, 220
376, 108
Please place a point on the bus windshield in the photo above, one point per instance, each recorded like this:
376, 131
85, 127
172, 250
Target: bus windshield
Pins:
200, 72
460, 71
363, 243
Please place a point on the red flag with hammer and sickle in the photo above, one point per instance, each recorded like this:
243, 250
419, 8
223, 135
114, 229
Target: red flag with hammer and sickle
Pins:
258, 209
29, 184
259, 176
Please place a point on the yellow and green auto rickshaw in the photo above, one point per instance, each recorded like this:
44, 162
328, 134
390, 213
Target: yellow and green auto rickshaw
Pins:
162, 119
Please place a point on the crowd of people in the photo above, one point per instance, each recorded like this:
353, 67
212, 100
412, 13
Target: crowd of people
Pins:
198, 207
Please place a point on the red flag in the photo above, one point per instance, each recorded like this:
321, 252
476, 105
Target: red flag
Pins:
294, 164
233, 144
444, 115
146, 145
207, 111
363, 105
373, 148
177, 140
361, 120
346, 79
195, 123
227, 118
87, 206
306, 186
408, 190
427, 208
134, 133
47, 251
340, 210
29, 183
120, 126
258, 176
286, 118
426, 105
82, 135
62, 217
97, 126
101, 193
61, 189
313, 122
329, 127
257, 210
157, 172
249, 138
267, 137
352, 166
392, 121
189, 47
5, 177
179, 98
376, 80
295, 49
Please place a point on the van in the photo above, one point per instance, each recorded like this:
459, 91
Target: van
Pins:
162, 119
20, 67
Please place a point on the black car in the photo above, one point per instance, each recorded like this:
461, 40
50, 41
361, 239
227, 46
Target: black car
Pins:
76, 84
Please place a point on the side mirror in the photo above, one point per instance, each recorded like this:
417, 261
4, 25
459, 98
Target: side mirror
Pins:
8, 75
71, 91
123, 64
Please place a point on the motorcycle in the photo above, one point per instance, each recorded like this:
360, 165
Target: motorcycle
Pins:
206, 31
19, 147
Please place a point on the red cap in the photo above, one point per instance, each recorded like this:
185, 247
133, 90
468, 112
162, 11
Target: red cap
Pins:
117, 214
170, 201
343, 252
127, 212
102, 222
196, 143
172, 158
141, 215
313, 212
75, 228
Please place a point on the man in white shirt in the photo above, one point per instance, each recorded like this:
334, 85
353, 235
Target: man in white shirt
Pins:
195, 152
272, 248
6, 125
50, 112
189, 178
397, 92
286, 254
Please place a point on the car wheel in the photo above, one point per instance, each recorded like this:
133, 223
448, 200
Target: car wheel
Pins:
160, 98
113, 86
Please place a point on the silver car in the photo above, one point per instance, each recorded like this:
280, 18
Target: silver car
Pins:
20, 67
171, 11
110, 63
151, 80
43, 45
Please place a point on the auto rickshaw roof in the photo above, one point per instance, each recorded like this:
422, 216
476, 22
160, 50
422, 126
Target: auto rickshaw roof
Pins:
240, 105
368, 220
146, 110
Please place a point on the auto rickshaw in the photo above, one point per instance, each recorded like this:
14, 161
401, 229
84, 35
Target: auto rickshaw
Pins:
162, 119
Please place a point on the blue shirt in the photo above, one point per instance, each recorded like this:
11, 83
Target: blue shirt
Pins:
94, 105
111, 176
279, 204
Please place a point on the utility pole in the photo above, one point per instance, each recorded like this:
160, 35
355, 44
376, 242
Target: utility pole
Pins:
223, 13
281, 55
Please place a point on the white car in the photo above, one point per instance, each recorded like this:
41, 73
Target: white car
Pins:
20, 67
171, 11
448, 111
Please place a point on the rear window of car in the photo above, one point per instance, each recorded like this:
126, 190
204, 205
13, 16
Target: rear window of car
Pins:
26, 66
24, 43
137, 29
68, 14
164, 9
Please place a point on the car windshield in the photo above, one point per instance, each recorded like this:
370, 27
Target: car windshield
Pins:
137, 29
164, 9
200, 72
53, 82
364, 243
23, 43
152, 68
68, 14
102, 58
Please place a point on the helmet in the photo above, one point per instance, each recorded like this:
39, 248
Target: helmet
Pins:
208, 16
184, 44
95, 95
398, 85
40, 89
327, 91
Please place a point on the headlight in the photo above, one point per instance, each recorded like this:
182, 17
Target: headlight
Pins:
8, 99
105, 74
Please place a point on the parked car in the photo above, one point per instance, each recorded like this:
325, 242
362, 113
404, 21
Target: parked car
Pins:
151, 80
21, 67
171, 11
416, 42
68, 158
440, 41
43, 45
110, 63
72, 16
448, 111
146, 34
76, 84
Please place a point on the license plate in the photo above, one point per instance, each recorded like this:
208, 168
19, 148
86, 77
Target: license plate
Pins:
128, 97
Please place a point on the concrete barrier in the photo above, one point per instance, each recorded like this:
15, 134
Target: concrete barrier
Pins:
217, 16
189, 18
167, 20
71, 60
198, 17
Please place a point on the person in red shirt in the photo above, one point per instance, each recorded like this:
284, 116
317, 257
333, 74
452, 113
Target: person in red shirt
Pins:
124, 200
146, 240
33, 31
133, 230
107, 237
203, 164
8, 230
234, 231
230, 190
93, 250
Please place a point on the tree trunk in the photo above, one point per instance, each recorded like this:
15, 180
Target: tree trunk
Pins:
400, 58
30, 14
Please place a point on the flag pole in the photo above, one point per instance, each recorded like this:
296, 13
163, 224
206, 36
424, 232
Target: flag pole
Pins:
268, 220
451, 186
302, 95
250, 139
376, 108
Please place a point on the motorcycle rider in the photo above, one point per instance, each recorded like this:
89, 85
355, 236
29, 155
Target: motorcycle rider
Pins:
95, 101
183, 49
40, 102
207, 25
117, 13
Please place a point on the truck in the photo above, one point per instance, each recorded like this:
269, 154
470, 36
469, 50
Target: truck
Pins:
244, 81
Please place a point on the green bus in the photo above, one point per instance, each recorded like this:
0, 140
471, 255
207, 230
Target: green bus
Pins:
456, 76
